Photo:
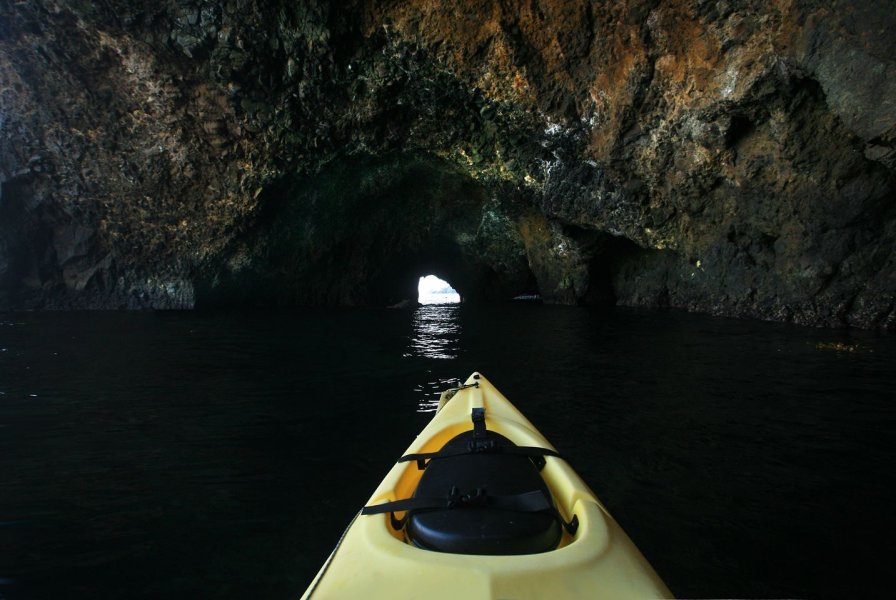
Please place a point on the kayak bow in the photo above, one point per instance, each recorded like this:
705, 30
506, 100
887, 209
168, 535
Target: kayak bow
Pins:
484, 510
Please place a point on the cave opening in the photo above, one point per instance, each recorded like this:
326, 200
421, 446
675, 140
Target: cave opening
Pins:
363, 232
434, 290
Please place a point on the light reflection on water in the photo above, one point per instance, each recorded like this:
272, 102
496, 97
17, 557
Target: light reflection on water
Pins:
436, 332
430, 393
436, 335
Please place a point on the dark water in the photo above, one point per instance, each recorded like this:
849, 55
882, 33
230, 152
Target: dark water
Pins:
221, 455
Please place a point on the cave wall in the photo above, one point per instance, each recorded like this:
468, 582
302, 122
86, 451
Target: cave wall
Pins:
727, 157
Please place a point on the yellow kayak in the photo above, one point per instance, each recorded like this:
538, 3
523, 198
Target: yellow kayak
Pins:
481, 506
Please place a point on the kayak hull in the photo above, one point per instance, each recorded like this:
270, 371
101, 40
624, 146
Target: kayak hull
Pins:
374, 559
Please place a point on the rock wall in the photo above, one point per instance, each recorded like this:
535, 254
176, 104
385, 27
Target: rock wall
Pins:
727, 157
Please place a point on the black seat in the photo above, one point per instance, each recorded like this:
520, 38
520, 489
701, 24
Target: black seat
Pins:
482, 529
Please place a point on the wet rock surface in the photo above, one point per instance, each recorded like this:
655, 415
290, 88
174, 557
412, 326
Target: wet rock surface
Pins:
735, 158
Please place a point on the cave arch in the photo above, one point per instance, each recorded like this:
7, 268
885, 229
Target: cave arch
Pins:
362, 232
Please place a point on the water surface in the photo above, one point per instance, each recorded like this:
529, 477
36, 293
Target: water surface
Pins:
221, 455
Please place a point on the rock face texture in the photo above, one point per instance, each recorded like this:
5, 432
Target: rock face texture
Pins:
737, 158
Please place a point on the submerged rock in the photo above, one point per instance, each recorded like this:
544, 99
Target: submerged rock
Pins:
735, 158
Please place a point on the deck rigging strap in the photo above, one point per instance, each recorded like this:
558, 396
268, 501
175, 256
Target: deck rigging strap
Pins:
464, 386
423, 458
534, 501
448, 394
482, 443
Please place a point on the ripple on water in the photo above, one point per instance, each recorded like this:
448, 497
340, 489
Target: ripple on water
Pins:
430, 393
436, 332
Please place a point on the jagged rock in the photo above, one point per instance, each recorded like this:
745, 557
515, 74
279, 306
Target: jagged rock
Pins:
728, 157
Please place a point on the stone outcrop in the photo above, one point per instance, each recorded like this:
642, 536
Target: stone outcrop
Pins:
735, 158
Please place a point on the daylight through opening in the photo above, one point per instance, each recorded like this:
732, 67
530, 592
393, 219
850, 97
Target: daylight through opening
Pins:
432, 290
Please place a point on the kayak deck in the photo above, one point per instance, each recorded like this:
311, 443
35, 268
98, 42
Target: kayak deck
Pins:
374, 559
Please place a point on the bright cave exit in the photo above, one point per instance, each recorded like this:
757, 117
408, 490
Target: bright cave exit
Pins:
432, 290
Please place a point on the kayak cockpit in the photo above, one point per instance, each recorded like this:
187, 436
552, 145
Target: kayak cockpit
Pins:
480, 493
469, 525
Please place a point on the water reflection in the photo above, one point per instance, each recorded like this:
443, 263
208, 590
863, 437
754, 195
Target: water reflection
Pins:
436, 332
431, 392
436, 335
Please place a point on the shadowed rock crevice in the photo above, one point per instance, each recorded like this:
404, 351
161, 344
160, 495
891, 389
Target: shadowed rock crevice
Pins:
23, 242
608, 255
573, 265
